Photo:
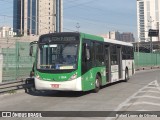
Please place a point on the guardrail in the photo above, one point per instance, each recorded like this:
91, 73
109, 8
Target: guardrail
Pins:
12, 86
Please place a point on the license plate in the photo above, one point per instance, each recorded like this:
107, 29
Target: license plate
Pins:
55, 85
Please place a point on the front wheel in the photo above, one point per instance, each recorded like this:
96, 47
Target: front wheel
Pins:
97, 84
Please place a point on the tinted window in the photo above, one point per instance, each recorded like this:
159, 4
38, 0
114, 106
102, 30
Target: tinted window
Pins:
99, 57
114, 56
127, 52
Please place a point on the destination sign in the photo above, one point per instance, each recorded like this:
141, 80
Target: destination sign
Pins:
49, 39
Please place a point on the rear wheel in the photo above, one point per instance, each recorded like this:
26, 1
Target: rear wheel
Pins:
126, 75
97, 84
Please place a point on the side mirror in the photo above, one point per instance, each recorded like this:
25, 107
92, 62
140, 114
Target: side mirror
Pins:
31, 48
31, 51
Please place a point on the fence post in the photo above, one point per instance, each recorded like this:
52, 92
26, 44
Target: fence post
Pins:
17, 58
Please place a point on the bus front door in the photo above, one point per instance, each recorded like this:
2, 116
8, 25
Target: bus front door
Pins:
119, 49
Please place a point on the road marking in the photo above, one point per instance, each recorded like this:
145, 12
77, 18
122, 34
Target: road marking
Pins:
151, 87
151, 91
147, 96
133, 96
125, 103
154, 83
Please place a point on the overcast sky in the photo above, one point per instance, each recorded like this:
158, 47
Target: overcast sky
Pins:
93, 16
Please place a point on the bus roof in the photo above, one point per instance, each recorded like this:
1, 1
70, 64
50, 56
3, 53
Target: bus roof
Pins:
99, 38
89, 36
117, 42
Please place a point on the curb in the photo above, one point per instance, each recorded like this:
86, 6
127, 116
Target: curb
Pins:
147, 68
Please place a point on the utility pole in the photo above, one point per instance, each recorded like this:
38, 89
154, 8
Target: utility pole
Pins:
59, 15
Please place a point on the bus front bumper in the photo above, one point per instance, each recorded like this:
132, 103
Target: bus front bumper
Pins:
73, 85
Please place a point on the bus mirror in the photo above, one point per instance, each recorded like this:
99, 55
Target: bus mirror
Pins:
31, 51
31, 48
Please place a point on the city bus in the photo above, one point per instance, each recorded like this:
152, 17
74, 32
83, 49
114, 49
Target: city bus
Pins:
73, 61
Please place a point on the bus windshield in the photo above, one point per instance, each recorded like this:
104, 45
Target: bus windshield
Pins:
60, 56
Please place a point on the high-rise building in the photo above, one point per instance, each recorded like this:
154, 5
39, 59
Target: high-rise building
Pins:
34, 16
148, 17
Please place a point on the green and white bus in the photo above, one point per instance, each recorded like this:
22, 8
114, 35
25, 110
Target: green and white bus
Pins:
71, 61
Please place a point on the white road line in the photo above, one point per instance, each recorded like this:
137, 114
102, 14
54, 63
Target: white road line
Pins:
154, 83
151, 87
151, 91
133, 96
147, 96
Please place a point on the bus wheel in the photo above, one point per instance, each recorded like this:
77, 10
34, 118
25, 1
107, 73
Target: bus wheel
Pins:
126, 75
97, 84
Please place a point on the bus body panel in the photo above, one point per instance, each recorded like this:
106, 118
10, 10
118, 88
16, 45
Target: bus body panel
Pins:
88, 79
73, 85
114, 73
127, 64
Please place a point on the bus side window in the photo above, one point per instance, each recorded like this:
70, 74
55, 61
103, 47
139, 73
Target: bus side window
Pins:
114, 56
84, 52
99, 56
86, 56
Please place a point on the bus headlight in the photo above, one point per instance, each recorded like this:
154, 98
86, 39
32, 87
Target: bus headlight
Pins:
73, 77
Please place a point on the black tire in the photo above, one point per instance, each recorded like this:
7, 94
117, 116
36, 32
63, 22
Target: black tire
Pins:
97, 84
126, 75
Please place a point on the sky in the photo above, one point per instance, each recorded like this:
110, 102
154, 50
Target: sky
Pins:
92, 16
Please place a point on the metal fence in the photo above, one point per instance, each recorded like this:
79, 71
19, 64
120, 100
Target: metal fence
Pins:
17, 63
146, 59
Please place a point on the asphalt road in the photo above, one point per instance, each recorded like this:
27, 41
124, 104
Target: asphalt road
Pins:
140, 93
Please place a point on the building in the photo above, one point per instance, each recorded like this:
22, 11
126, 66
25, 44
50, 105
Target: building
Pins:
112, 35
6, 32
148, 17
115, 35
34, 16
127, 37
